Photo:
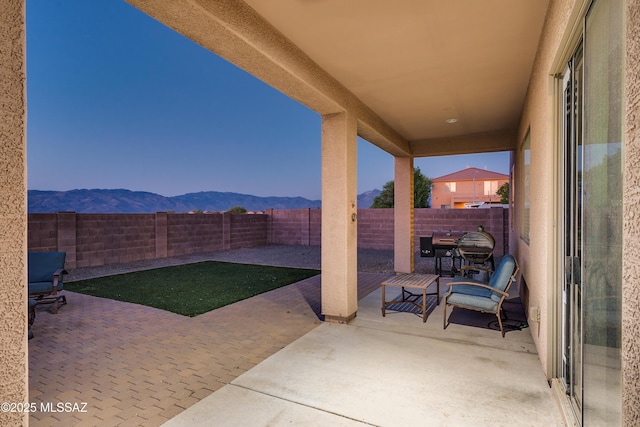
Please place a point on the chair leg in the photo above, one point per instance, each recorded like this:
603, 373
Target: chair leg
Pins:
57, 302
32, 315
500, 323
444, 319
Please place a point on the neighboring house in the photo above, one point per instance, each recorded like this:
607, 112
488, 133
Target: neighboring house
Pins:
467, 188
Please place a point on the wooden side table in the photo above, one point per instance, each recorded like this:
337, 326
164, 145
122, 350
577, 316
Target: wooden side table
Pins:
412, 281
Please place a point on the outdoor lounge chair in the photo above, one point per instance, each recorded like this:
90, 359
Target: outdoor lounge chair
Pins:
486, 297
45, 278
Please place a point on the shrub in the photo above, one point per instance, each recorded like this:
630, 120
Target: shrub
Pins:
237, 210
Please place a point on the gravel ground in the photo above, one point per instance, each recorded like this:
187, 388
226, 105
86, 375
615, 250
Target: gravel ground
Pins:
370, 261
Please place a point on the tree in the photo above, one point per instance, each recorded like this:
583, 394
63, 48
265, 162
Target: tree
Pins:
237, 210
503, 192
385, 198
421, 192
421, 189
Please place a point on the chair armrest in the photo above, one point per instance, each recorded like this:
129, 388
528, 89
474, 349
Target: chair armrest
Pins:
477, 267
57, 276
479, 285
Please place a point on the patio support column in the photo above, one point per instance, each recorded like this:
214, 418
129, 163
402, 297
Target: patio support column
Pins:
14, 384
339, 218
403, 215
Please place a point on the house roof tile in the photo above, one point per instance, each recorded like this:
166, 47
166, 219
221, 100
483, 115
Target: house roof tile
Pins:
469, 174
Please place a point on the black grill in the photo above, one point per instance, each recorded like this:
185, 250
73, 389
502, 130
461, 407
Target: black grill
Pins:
442, 244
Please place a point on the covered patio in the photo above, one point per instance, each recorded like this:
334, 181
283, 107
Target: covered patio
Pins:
415, 79
555, 82
269, 360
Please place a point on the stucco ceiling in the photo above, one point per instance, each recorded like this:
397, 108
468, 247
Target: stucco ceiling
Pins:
417, 63
402, 67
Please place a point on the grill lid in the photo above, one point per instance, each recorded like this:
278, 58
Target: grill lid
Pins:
476, 247
446, 238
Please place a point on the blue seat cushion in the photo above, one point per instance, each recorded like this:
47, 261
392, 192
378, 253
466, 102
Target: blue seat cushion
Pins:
474, 301
42, 287
500, 278
483, 298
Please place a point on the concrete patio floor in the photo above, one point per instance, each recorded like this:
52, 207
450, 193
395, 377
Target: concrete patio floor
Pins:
391, 371
269, 360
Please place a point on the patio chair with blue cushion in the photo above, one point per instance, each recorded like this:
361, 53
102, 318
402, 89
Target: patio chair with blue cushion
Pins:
46, 270
486, 297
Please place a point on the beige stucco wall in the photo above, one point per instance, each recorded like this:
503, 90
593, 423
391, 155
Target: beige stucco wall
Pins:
13, 217
537, 259
631, 226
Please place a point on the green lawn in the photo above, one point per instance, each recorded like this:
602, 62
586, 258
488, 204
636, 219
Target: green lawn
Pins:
191, 289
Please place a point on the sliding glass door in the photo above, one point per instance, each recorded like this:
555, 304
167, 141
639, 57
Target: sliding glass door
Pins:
572, 350
592, 226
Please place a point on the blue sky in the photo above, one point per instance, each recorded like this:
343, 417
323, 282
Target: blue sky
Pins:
118, 100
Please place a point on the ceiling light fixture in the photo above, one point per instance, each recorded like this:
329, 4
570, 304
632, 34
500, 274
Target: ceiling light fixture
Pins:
451, 121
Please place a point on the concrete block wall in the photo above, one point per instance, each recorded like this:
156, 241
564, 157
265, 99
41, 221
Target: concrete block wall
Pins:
247, 230
102, 239
42, 232
293, 226
315, 227
375, 229
189, 234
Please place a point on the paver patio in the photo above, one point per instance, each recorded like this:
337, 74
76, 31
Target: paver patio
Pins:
135, 365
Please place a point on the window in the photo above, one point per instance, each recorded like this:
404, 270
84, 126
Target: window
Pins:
490, 188
525, 177
450, 187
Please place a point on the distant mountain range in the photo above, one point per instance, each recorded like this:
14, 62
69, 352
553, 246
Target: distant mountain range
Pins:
127, 201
